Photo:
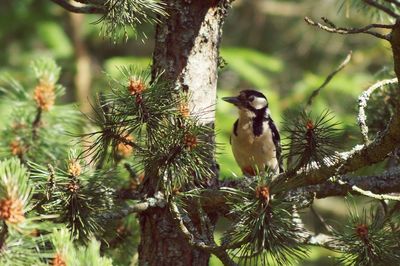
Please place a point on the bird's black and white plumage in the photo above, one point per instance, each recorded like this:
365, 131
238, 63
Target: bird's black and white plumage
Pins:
255, 138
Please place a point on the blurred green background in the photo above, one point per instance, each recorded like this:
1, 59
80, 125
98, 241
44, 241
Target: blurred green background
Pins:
266, 45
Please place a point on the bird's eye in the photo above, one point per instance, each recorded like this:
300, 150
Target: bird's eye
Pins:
251, 98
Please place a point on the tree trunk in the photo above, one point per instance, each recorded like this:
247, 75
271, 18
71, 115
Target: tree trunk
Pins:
83, 76
186, 52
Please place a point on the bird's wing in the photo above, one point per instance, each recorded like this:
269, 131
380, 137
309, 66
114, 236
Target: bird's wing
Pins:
277, 141
235, 125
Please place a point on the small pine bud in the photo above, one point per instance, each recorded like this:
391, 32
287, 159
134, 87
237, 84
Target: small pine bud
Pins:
12, 210
44, 95
73, 186
136, 86
58, 260
262, 192
135, 183
176, 191
310, 125
74, 168
184, 110
17, 148
190, 141
124, 150
362, 231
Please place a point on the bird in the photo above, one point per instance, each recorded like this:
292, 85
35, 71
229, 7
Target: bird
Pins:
255, 139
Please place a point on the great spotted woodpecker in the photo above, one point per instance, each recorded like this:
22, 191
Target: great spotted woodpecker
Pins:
255, 138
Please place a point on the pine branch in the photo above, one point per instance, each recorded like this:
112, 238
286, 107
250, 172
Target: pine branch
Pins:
382, 8
36, 123
387, 182
323, 240
92, 2
199, 243
362, 103
3, 234
330, 27
395, 2
156, 202
89, 9
214, 200
360, 156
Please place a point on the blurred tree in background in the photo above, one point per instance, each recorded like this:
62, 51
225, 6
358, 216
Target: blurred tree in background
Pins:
121, 183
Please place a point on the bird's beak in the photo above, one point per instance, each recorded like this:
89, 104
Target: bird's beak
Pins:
232, 100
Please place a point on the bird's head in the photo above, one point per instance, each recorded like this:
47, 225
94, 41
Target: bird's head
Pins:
249, 100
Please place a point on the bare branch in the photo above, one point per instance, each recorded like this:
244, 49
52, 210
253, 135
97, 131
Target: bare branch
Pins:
321, 219
199, 243
371, 194
92, 2
88, 9
381, 7
396, 2
367, 29
148, 203
328, 79
323, 240
362, 103
36, 123
375, 186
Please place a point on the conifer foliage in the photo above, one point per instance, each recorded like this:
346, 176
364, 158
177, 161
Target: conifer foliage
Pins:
69, 185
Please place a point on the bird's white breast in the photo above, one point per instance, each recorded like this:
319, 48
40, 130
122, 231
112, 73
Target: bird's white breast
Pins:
254, 151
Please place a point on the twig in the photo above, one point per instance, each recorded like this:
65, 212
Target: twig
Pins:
379, 186
387, 216
328, 79
362, 103
321, 219
393, 2
3, 234
381, 7
50, 181
332, 28
323, 240
36, 123
131, 171
89, 9
92, 2
126, 194
135, 208
370, 194
198, 243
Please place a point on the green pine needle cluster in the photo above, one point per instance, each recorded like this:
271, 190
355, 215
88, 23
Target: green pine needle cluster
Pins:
66, 252
122, 17
152, 118
360, 6
264, 227
368, 239
77, 194
45, 185
36, 125
311, 140
25, 233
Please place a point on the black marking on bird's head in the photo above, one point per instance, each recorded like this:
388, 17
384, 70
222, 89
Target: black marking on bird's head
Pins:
251, 100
